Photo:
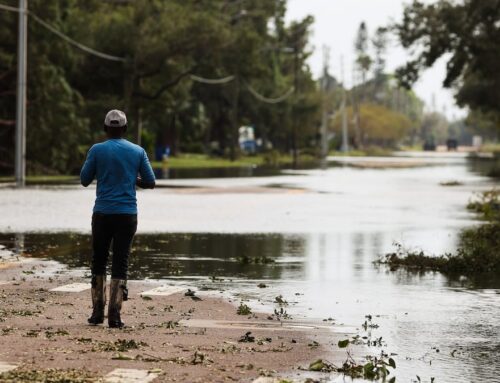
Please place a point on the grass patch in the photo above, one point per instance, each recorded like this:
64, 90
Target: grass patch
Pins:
201, 161
372, 151
478, 251
491, 148
44, 179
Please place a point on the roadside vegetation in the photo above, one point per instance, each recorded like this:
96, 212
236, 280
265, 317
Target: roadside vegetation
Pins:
200, 161
478, 251
165, 52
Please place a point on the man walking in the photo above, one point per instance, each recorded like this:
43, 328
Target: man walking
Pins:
116, 164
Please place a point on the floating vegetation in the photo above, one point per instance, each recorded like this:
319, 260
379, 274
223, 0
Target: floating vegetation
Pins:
343, 343
279, 300
199, 358
171, 324
368, 323
255, 260
192, 294
24, 313
243, 309
50, 334
8, 330
281, 314
313, 344
322, 366
451, 183
49, 376
247, 338
478, 251
32, 333
121, 345
487, 204
375, 368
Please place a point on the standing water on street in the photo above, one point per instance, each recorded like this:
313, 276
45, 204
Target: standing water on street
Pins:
319, 257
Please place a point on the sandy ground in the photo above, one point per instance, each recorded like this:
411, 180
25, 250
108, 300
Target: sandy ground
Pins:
175, 337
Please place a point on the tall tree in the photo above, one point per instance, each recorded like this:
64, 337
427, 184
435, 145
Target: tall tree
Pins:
361, 45
467, 33
379, 42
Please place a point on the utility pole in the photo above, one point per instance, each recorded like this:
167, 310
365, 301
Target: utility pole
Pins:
296, 98
356, 101
234, 129
345, 132
324, 86
21, 95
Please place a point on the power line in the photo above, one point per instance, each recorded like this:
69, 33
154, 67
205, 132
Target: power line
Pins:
210, 81
9, 8
268, 100
76, 43
252, 91
203, 80
65, 37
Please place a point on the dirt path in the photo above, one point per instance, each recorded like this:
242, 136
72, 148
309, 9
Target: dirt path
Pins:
169, 337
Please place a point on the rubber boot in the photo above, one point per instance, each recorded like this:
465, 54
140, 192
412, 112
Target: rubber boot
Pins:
98, 291
117, 294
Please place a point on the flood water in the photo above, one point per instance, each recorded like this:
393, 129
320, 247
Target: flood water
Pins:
447, 329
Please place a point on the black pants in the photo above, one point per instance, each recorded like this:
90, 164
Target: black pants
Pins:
119, 228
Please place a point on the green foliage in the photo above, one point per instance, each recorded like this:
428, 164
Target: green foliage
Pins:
163, 42
343, 343
485, 124
466, 33
379, 125
487, 204
375, 368
478, 251
243, 309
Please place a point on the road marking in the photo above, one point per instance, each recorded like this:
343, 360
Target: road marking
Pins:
164, 290
4, 367
4, 282
264, 379
128, 375
263, 325
72, 288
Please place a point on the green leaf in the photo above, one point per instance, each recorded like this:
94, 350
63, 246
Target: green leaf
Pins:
392, 363
343, 343
317, 365
122, 357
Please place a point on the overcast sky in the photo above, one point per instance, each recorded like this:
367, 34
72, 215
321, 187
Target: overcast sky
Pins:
336, 25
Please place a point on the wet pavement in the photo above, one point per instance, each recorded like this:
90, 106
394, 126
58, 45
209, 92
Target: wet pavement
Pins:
314, 243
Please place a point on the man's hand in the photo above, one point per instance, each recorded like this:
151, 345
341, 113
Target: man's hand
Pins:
144, 185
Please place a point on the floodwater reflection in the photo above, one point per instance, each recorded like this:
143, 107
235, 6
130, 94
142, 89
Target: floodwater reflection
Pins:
325, 276
440, 327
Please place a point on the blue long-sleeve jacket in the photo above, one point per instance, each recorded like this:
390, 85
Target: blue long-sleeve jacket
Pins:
115, 164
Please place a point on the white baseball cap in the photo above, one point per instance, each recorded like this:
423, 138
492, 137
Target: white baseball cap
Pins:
115, 118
